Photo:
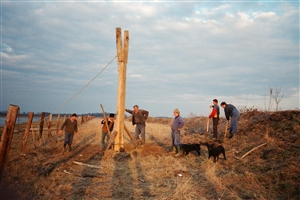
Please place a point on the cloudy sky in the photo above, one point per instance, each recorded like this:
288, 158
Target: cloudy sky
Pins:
181, 55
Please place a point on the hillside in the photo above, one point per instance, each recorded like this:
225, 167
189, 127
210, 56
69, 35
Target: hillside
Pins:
268, 172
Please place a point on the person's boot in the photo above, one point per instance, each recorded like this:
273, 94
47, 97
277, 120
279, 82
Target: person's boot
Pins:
70, 148
142, 143
139, 142
230, 135
65, 148
174, 149
179, 151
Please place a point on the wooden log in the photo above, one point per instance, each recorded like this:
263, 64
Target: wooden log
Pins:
74, 175
122, 61
87, 165
226, 127
58, 124
128, 133
7, 135
207, 128
26, 133
49, 126
41, 124
111, 140
104, 116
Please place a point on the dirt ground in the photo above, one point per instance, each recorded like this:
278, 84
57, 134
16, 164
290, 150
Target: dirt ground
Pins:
45, 171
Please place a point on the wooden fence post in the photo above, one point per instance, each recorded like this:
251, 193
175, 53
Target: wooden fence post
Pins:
41, 125
7, 135
26, 133
49, 124
58, 123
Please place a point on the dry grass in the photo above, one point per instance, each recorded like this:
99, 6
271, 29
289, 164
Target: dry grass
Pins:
269, 172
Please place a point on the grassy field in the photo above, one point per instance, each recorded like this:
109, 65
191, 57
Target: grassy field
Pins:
271, 171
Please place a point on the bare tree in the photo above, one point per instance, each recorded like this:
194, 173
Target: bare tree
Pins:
270, 100
277, 96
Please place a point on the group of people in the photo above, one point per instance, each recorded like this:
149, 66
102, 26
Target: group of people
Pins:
139, 117
230, 112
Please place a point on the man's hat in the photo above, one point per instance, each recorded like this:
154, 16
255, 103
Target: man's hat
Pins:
111, 115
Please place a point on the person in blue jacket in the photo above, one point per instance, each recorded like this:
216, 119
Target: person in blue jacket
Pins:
176, 126
233, 113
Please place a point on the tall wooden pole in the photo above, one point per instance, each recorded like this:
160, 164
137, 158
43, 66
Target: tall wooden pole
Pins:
122, 62
7, 135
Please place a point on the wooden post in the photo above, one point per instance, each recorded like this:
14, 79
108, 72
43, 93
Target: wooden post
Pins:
122, 62
129, 135
33, 135
41, 125
58, 124
26, 133
7, 135
49, 124
104, 116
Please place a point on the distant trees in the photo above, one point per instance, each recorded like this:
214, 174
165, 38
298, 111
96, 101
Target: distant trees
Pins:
277, 95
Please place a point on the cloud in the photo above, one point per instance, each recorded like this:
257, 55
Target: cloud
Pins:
181, 54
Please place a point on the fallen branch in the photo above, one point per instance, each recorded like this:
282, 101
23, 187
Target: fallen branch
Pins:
87, 165
251, 151
41, 159
74, 175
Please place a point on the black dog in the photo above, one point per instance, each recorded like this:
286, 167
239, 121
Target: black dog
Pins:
191, 147
215, 150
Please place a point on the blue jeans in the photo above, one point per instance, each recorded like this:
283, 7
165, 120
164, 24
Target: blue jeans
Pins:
68, 138
140, 129
234, 122
102, 142
175, 137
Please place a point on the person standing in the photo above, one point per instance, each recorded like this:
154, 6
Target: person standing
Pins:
139, 117
104, 134
215, 113
71, 127
231, 111
176, 127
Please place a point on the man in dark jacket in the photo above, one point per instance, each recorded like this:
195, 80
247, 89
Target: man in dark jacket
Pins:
231, 111
139, 117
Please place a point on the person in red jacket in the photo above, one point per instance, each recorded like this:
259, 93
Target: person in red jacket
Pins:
215, 113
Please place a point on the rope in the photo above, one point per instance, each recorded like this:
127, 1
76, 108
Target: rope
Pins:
81, 88
84, 86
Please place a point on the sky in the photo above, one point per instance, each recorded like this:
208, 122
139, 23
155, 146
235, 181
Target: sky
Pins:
59, 56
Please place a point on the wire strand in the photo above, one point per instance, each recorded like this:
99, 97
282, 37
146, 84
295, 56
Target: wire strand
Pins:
79, 90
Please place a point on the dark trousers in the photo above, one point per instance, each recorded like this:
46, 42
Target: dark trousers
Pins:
215, 126
140, 129
234, 122
68, 138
